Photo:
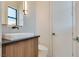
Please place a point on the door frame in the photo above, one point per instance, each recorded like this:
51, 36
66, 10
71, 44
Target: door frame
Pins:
73, 29
51, 25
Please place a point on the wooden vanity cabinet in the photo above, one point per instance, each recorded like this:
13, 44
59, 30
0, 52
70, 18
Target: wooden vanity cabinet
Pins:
25, 48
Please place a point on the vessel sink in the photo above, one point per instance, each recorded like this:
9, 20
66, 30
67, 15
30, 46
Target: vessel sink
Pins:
16, 36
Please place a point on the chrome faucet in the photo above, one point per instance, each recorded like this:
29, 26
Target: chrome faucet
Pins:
14, 27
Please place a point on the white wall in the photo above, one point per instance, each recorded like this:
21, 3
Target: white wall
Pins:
0, 30
28, 20
43, 23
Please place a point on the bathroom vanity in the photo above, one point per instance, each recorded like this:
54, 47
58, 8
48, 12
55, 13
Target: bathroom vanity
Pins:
24, 47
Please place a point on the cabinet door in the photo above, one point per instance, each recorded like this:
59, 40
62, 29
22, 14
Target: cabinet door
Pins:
28, 48
13, 50
18, 51
7, 50
35, 47
31, 48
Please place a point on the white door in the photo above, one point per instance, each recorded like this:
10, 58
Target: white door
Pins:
76, 29
61, 28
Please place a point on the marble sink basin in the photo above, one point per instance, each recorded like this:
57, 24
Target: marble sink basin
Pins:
16, 36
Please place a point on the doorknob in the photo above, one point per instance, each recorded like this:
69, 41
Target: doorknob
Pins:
53, 33
77, 39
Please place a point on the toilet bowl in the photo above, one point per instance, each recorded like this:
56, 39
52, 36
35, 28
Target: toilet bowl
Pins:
43, 50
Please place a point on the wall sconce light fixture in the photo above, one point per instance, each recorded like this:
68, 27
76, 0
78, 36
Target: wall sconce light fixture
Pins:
25, 8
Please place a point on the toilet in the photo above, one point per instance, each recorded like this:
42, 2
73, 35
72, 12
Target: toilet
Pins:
43, 50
